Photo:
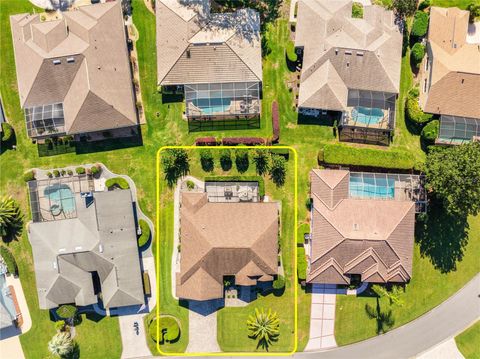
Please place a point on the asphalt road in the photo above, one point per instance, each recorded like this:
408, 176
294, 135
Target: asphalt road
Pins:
443, 322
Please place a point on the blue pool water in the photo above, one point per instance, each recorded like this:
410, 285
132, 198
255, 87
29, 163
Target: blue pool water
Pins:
368, 188
366, 115
62, 196
214, 106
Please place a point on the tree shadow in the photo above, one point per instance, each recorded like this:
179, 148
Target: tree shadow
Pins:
442, 237
74, 354
83, 147
265, 343
384, 319
13, 232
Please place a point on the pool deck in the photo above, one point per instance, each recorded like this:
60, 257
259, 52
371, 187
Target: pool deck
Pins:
349, 120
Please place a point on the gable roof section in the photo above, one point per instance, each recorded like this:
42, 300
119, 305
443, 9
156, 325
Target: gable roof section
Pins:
194, 46
96, 41
221, 239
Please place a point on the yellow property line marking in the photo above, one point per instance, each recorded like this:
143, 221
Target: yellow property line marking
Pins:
295, 199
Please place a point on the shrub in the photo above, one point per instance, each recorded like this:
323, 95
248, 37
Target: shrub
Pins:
94, 170
275, 122
66, 311
404, 7
278, 170
430, 131
206, 141
9, 260
145, 236
279, 283
226, 159
29, 176
261, 159
169, 329
357, 10
340, 154
80, 170
117, 182
414, 92
417, 54
424, 4
420, 24
303, 228
259, 179
63, 172
56, 173
248, 141
241, 160
290, 51
7, 132
301, 264
474, 9
320, 156
206, 160
60, 325
414, 113
190, 185
49, 174
69, 172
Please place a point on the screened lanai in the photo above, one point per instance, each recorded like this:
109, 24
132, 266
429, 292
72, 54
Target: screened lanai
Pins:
370, 109
45, 120
222, 99
457, 130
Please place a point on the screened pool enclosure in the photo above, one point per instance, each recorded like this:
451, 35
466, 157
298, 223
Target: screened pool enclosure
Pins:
457, 130
45, 120
222, 100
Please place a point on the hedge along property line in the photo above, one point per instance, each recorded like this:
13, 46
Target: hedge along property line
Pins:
9, 259
259, 179
275, 122
340, 154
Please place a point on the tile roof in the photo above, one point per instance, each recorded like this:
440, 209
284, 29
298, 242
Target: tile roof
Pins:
94, 37
195, 46
220, 239
373, 238
342, 53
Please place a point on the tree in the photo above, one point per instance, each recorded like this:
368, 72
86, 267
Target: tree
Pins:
430, 131
206, 160
11, 218
61, 344
261, 159
241, 160
417, 54
264, 327
278, 170
474, 9
405, 7
357, 10
394, 295
226, 159
175, 164
420, 24
453, 174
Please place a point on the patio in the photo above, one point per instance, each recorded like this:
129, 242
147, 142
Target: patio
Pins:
232, 191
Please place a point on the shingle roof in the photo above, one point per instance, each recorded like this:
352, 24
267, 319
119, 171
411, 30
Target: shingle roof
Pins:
94, 37
454, 81
342, 53
221, 239
101, 239
194, 46
373, 238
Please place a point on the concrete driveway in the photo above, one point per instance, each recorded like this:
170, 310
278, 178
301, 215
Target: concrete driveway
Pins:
134, 346
322, 317
202, 326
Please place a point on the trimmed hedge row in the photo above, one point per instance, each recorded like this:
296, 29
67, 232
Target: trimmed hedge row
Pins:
414, 113
7, 132
301, 264
145, 229
259, 179
9, 260
275, 122
420, 24
341, 154
117, 182
206, 141
417, 54
430, 131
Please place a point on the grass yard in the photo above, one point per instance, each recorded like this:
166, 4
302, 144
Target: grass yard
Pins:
462, 4
468, 342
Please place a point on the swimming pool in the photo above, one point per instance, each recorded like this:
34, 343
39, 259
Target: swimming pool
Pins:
370, 187
61, 198
367, 116
213, 106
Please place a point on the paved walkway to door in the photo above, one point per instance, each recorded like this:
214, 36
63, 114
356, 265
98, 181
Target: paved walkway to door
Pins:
322, 317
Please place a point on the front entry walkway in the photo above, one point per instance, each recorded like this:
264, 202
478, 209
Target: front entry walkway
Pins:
322, 317
202, 326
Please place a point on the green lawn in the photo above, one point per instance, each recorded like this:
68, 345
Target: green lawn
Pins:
468, 342
462, 4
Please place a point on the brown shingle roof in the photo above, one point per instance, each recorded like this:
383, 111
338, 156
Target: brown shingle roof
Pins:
221, 239
454, 78
94, 37
370, 237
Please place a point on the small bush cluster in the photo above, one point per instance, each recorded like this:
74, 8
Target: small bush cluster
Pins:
56, 173
9, 260
80, 170
430, 131
357, 10
290, 52
417, 53
420, 24
117, 182
206, 141
279, 283
206, 160
242, 160
190, 185
29, 176
275, 122
145, 236
248, 141
414, 113
474, 9
94, 170
7, 132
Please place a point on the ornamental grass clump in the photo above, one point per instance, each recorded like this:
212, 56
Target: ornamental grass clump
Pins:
264, 327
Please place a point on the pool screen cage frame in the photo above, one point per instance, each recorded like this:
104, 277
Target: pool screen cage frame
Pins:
40, 204
213, 94
45, 120
372, 99
414, 186
458, 129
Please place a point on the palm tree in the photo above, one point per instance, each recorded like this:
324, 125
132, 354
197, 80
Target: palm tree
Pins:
61, 344
393, 295
264, 326
10, 216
